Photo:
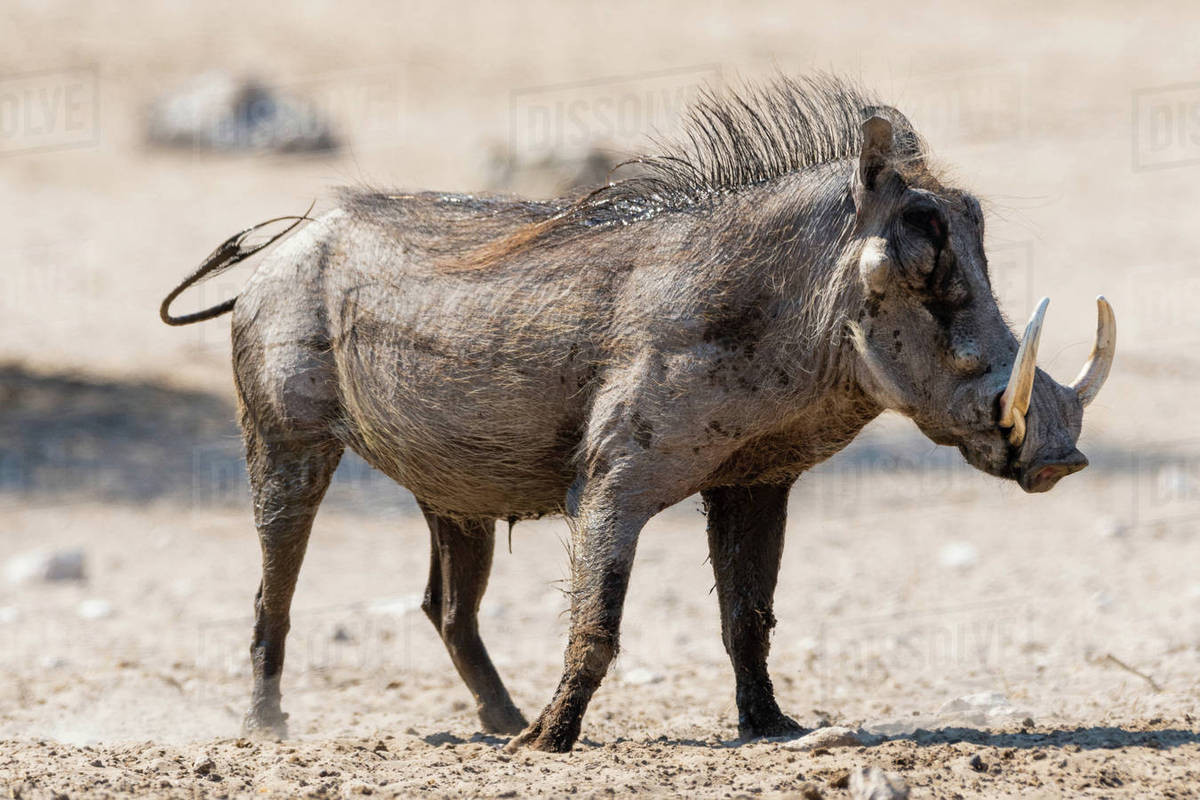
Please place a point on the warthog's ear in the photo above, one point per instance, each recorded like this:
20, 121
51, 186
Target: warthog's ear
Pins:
876, 151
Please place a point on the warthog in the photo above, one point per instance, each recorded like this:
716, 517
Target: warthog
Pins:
718, 324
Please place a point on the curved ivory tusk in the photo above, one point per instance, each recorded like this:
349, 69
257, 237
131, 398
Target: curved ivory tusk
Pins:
1095, 371
1015, 400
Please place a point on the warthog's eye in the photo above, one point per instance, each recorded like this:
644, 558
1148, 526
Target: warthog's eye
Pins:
928, 222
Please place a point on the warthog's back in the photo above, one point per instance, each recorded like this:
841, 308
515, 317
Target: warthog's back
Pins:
468, 386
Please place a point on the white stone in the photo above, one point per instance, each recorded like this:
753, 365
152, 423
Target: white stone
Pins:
396, 606
94, 608
46, 565
981, 708
833, 736
640, 676
203, 765
959, 555
872, 783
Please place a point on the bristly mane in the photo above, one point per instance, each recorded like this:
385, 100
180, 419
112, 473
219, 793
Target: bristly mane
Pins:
736, 138
732, 139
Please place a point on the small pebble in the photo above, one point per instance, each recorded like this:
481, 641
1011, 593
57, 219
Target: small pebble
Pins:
640, 676
959, 555
872, 783
94, 608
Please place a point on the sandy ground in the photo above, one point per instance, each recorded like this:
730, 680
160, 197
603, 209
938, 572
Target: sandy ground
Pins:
1070, 622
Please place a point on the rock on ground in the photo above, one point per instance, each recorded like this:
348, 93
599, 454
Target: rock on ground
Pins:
872, 783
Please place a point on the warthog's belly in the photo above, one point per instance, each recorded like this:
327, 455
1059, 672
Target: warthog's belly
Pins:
468, 432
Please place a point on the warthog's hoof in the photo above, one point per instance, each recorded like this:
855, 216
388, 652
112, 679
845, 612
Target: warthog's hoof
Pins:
541, 737
769, 726
260, 725
506, 719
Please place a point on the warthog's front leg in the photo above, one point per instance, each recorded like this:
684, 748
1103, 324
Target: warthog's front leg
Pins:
604, 538
745, 542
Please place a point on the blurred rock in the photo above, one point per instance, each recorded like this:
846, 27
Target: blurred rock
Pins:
160, 766
357, 788
396, 606
94, 608
640, 676
872, 783
8, 614
1111, 528
810, 791
834, 736
203, 765
219, 112
981, 708
44, 565
958, 555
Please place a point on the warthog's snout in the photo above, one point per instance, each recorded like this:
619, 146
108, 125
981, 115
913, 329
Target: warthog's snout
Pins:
1047, 445
1041, 475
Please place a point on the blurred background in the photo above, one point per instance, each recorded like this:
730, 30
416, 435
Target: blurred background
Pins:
133, 141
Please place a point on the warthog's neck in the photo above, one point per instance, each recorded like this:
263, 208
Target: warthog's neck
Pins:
779, 288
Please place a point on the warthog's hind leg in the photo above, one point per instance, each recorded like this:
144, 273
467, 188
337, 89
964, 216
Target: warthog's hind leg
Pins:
745, 542
288, 478
460, 562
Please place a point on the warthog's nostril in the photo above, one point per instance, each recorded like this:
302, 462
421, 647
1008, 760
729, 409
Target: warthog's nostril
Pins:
1042, 476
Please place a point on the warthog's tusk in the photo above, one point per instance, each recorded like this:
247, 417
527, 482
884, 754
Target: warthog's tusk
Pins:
1015, 400
1095, 371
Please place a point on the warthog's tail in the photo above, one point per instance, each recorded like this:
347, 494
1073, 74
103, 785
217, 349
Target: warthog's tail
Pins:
230, 252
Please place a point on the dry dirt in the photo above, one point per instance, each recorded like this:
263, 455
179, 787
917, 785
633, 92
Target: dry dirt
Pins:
1071, 621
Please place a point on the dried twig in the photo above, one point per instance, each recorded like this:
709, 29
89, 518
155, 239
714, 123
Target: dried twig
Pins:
1109, 657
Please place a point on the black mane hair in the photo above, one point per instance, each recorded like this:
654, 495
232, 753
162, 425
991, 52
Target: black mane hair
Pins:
732, 139
736, 138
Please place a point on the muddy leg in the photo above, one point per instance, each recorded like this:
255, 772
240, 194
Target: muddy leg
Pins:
288, 478
603, 544
745, 541
460, 562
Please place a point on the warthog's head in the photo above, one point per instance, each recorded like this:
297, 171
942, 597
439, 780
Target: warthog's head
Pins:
931, 341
